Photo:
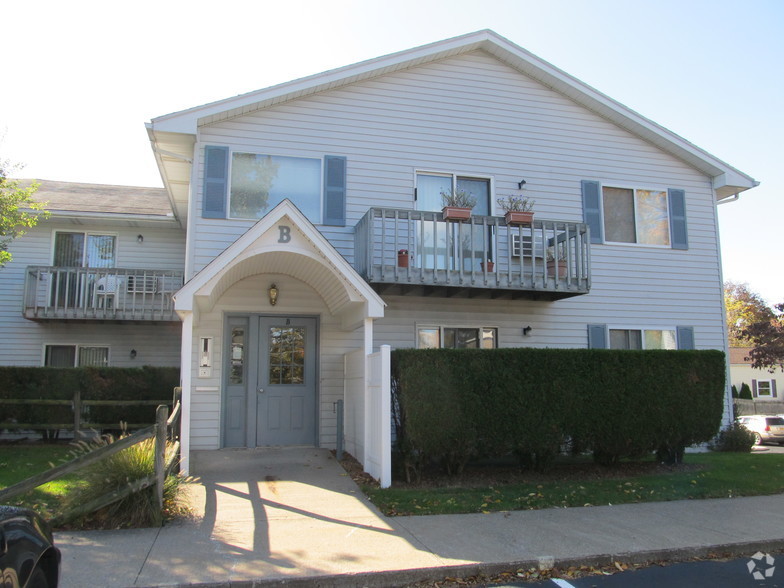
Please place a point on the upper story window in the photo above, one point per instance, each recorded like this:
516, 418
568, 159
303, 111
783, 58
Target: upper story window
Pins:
73, 249
433, 337
635, 216
429, 186
260, 182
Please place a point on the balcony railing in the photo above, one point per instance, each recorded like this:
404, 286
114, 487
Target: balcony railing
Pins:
402, 251
81, 293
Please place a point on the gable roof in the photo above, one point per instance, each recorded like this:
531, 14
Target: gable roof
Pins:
105, 201
308, 256
173, 135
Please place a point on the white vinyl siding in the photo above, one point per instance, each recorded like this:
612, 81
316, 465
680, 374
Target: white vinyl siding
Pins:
155, 344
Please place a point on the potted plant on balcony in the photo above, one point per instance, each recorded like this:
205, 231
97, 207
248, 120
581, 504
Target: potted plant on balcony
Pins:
457, 204
556, 257
402, 258
488, 265
519, 209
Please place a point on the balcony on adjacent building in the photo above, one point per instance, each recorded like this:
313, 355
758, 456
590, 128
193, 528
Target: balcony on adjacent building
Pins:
105, 294
401, 251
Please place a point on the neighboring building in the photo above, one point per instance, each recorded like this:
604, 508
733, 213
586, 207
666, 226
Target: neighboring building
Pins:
765, 386
92, 284
315, 234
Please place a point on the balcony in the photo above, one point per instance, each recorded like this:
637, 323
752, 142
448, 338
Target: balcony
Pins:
105, 294
545, 259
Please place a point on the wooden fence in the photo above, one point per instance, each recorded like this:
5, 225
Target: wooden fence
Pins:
166, 429
78, 405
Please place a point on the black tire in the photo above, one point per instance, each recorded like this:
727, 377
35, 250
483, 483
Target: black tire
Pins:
757, 439
37, 579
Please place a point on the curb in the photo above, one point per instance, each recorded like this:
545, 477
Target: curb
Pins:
387, 578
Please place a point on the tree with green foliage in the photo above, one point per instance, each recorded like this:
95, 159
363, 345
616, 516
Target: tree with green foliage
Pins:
744, 308
18, 210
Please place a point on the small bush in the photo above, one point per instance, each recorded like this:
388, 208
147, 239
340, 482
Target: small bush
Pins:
114, 473
734, 391
745, 392
735, 438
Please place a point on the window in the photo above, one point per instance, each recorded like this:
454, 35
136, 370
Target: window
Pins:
429, 186
764, 389
83, 250
76, 356
643, 339
635, 216
260, 182
457, 337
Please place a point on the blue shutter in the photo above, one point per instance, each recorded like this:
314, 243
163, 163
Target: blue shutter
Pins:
592, 210
334, 190
685, 337
754, 388
216, 170
773, 388
597, 337
679, 236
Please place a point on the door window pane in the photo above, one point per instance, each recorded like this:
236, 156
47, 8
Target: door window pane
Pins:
287, 355
68, 249
237, 359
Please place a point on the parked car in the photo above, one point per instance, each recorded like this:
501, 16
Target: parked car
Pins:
766, 428
28, 556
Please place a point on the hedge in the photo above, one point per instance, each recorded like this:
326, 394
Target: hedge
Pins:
459, 404
46, 383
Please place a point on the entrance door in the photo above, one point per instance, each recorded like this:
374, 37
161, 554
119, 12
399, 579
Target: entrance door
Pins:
286, 381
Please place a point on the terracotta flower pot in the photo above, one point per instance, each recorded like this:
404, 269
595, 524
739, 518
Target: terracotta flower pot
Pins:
402, 258
490, 265
515, 217
455, 213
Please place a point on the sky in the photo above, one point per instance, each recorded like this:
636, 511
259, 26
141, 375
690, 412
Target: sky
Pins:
80, 78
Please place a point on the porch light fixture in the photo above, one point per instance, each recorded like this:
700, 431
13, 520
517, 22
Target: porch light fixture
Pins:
133, 354
520, 184
140, 239
526, 330
273, 294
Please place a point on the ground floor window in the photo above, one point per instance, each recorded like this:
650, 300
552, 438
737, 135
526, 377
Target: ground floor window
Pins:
764, 389
643, 339
433, 337
76, 356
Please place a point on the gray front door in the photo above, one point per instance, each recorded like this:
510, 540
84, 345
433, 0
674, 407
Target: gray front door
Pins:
286, 381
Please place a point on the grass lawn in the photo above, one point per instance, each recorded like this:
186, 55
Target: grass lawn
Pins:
18, 462
704, 475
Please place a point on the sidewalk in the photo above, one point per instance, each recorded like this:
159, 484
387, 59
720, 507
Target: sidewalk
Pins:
306, 519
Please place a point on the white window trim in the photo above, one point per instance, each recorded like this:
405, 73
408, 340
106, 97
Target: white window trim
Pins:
770, 388
443, 326
642, 329
634, 188
77, 346
86, 233
233, 150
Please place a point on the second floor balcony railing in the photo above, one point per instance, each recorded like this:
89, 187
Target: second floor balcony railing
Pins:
115, 294
401, 250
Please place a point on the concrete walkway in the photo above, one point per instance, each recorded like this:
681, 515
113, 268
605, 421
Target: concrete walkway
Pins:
269, 515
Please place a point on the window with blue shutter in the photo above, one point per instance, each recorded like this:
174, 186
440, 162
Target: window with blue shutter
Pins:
216, 169
679, 238
597, 337
334, 190
592, 210
685, 337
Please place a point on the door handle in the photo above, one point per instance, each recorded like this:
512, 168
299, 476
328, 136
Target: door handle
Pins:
261, 390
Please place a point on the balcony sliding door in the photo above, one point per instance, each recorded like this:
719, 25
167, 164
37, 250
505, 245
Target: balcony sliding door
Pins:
79, 250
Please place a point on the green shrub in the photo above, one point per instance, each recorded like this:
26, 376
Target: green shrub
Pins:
745, 392
736, 438
115, 473
453, 405
734, 391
